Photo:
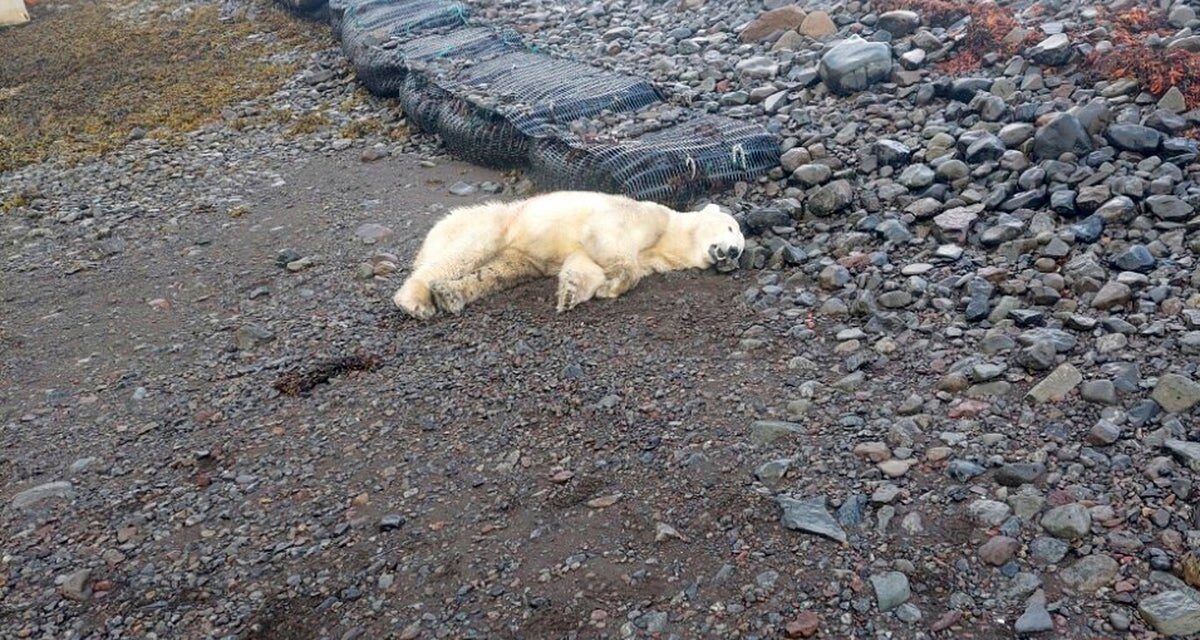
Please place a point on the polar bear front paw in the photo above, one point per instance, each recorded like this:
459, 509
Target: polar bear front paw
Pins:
413, 305
447, 298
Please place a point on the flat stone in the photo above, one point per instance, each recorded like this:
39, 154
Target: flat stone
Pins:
817, 25
60, 489
811, 516
764, 432
1176, 393
1090, 574
1188, 453
1172, 613
1055, 386
772, 22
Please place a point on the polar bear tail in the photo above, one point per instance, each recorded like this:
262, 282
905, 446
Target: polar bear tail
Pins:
459, 244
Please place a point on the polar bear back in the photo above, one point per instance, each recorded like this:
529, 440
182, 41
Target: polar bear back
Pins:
550, 227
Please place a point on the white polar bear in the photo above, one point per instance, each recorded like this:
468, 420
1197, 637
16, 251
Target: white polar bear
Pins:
599, 245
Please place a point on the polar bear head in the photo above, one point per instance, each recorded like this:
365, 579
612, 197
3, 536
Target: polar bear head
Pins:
716, 237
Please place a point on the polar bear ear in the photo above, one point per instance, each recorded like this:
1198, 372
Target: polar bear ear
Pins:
711, 208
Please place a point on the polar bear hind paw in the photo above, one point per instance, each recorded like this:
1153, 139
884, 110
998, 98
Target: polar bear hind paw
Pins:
447, 298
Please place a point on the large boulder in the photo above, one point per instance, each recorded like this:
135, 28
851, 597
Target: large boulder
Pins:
854, 64
773, 22
1063, 133
1134, 137
899, 23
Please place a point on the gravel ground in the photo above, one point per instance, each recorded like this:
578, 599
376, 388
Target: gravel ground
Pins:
941, 399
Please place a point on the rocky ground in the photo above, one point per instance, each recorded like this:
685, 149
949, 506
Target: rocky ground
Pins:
952, 393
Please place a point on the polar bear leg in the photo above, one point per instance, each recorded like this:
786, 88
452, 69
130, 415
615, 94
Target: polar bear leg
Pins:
578, 280
508, 269
618, 280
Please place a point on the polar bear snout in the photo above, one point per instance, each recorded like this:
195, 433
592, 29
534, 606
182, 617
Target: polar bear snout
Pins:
724, 257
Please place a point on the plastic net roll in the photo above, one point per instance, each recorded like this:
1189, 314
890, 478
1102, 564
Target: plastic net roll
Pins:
540, 94
422, 101
304, 6
376, 21
382, 68
482, 137
675, 165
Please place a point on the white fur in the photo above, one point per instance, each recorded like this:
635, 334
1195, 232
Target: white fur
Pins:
598, 245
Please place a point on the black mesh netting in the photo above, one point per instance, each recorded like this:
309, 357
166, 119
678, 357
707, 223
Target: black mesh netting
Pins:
497, 104
540, 93
376, 21
674, 166
383, 67
500, 104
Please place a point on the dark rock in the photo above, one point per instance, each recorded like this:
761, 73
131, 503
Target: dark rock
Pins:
1134, 137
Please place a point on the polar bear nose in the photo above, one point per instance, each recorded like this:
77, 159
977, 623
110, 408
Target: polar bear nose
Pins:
734, 252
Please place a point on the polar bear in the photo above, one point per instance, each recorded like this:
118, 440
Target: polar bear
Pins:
597, 244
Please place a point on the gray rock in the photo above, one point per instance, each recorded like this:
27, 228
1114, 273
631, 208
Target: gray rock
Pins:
764, 432
1055, 386
1112, 294
1172, 613
1134, 137
1069, 522
1169, 208
1048, 550
855, 64
1035, 619
772, 471
60, 489
811, 516
830, 198
1053, 51
891, 589
1090, 574
1188, 453
1019, 473
1062, 134
1176, 393
898, 23
463, 189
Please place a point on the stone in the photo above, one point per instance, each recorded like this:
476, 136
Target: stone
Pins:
1068, 522
1188, 453
60, 489
891, 153
252, 335
771, 472
811, 516
77, 586
765, 432
1134, 137
956, 222
758, 67
463, 189
1055, 386
1172, 613
1061, 134
1104, 433
1048, 550
998, 550
370, 233
891, 590
805, 625
1018, 473
1173, 101
830, 198
1053, 51
855, 64
1112, 294
817, 25
1090, 574
1176, 393
1035, 619
772, 22
1135, 257
1169, 208
899, 23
